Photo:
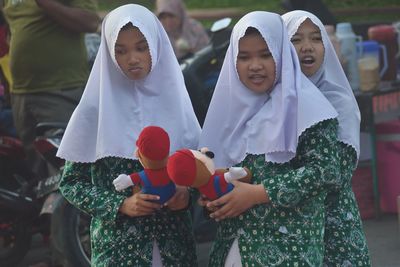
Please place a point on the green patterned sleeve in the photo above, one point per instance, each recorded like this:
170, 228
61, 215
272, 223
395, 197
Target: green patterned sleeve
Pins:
77, 187
315, 168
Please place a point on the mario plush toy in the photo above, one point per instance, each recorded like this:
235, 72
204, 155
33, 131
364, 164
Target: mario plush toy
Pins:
196, 169
152, 152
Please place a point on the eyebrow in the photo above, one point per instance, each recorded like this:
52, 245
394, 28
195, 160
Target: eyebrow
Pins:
259, 51
143, 40
313, 32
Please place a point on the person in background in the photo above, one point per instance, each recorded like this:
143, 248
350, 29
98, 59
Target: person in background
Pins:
186, 34
345, 242
267, 116
135, 82
6, 119
48, 63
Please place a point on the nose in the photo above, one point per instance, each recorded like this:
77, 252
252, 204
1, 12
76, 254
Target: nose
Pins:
255, 65
307, 46
133, 59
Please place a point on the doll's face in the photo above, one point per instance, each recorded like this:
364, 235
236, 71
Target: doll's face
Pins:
309, 47
255, 64
205, 160
132, 53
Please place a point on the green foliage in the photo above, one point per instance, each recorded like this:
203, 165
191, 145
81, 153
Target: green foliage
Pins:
360, 3
111, 4
247, 4
273, 6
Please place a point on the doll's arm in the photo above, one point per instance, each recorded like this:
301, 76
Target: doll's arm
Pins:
122, 182
236, 173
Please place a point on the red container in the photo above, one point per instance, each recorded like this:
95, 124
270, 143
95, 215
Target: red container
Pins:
386, 35
363, 190
388, 154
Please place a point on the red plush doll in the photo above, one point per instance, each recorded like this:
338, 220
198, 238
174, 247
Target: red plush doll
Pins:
152, 152
196, 169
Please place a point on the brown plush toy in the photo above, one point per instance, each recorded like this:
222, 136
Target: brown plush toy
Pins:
196, 169
152, 152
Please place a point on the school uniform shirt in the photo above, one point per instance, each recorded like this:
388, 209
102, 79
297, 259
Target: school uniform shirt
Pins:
345, 242
288, 140
116, 239
289, 231
100, 141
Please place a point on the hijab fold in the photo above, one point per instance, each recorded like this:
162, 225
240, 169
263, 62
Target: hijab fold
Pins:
114, 109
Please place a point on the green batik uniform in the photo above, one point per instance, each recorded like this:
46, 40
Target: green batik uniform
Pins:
118, 240
345, 243
289, 231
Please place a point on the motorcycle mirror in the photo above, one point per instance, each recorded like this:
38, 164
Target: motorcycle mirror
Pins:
220, 24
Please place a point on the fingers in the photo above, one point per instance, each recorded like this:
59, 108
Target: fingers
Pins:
203, 201
148, 201
140, 204
180, 200
224, 212
219, 202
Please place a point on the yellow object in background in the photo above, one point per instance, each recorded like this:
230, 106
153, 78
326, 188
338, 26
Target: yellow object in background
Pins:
5, 67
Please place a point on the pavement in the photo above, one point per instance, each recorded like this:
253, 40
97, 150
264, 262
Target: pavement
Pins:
383, 237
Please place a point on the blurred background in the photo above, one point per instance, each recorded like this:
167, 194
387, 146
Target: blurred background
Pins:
345, 10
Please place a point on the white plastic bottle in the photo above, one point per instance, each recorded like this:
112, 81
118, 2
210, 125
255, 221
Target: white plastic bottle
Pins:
349, 52
330, 29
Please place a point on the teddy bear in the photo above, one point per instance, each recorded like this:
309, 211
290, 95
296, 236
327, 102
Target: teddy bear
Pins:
195, 168
152, 150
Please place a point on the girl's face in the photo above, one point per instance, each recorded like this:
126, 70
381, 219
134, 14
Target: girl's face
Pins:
170, 22
309, 46
255, 64
132, 53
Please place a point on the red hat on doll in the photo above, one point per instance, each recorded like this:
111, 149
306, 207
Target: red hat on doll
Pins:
181, 167
153, 143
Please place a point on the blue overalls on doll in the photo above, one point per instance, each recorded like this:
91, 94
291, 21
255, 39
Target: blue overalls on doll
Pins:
165, 192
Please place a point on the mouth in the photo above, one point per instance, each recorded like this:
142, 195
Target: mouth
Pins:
307, 61
134, 69
257, 78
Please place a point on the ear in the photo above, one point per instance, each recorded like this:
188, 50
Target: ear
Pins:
137, 153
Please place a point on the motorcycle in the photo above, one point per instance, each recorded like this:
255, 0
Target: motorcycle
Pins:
31, 204
201, 72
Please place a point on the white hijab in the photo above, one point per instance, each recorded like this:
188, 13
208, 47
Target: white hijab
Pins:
114, 109
332, 81
241, 122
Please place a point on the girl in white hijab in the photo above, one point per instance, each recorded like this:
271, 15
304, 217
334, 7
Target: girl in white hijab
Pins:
345, 242
135, 82
266, 115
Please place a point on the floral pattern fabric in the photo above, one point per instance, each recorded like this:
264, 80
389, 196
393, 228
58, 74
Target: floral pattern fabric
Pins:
289, 231
345, 243
118, 240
